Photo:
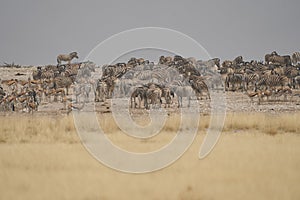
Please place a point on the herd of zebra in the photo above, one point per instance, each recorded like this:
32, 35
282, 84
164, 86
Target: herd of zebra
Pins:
166, 82
153, 84
46, 84
187, 77
276, 76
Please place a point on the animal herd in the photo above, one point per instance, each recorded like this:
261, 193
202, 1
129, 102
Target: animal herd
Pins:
152, 85
47, 84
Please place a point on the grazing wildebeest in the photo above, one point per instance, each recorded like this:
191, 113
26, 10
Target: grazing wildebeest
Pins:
66, 57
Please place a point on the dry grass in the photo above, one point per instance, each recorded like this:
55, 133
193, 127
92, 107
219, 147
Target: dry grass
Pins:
264, 122
61, 129
37, 129
241, 166
41, 158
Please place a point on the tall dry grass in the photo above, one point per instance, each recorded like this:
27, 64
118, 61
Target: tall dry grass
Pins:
60, 128
263, 122
37, 129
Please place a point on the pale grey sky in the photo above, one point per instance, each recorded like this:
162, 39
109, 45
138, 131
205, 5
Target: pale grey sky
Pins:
34, 32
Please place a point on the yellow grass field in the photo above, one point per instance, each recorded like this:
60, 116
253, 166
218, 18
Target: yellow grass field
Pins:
256, 157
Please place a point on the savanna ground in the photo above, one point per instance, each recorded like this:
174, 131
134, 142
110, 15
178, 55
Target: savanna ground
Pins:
256, 157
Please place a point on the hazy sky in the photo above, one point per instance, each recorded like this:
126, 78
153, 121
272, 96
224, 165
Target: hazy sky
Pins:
35, 32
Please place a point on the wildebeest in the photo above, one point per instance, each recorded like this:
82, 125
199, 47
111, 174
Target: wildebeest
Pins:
66, 57
238, 60
268, 56
295, 57
282, 60
275, 58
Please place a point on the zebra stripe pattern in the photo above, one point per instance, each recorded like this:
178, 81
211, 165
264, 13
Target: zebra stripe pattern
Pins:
271, 81
250, 80
233, 80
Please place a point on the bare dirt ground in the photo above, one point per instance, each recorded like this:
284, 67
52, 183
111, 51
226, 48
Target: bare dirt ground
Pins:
256, 157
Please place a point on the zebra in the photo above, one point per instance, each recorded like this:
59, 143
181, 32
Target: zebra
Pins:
126, 86
291, 72
110, 82
250, 79
189, 70
148, 65
71, 70
211, 65
117, 70
66, 57
151, 93
271, 81
224, 71
199, 86
122, 68
100, 91
144, 75
153, 96
2, 93
82, 90
296, 82
86, 70
162, 75
182, 91
63, 82
47, 74
140, 93
86, 89
233, 80
295, 58
107, 70
168, 95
